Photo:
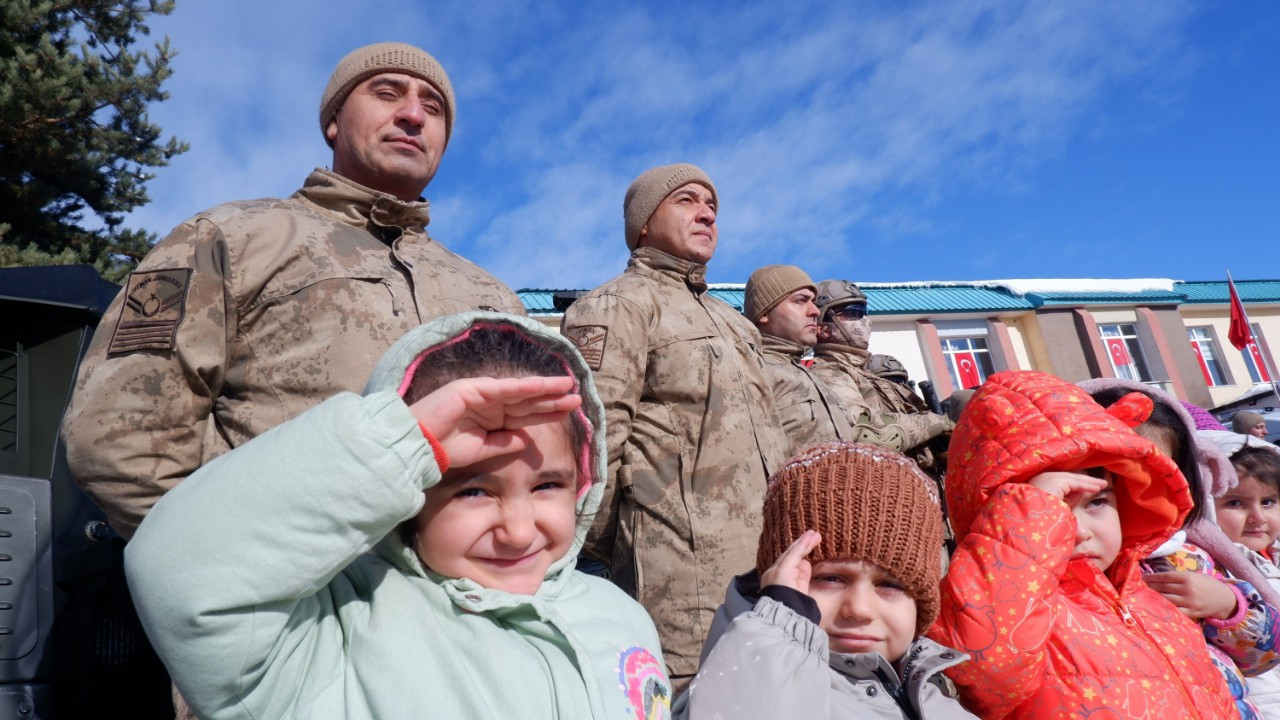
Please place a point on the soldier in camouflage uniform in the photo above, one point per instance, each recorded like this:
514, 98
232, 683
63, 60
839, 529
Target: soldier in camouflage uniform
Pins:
779, 300
841, 363
251, 312
898, 391
691, 428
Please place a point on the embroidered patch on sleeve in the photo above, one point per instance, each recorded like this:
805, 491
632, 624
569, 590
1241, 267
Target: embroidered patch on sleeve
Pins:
590, 340
154, 304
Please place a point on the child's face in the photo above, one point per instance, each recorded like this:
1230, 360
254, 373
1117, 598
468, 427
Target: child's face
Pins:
1250, 513
503, 522
864, 608
1098, 534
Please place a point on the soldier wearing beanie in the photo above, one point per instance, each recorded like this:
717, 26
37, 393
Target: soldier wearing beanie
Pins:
779, 300
253, 311
690, 421
846, 581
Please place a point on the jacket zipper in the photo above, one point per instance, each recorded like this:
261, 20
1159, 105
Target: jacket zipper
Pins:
1132, 622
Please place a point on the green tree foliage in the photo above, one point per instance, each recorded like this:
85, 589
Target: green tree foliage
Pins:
76, 144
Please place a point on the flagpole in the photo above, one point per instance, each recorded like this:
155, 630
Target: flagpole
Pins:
1267, 361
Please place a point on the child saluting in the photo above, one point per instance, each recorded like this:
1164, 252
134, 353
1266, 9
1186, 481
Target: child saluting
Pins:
472, 468
1055, 502
829, 624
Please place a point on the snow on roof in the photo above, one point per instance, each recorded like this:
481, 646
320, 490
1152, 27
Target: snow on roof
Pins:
1033, 286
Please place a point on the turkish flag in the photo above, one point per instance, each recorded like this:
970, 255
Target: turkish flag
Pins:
1256, 352
1240, 334
1119, 353
968, 371
1204, 367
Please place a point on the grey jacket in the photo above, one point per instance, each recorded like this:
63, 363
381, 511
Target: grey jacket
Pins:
764, 659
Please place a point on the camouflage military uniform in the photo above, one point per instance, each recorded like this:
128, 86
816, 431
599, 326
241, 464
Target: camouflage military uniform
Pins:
842, 369
808, 412
692, 440
243, 317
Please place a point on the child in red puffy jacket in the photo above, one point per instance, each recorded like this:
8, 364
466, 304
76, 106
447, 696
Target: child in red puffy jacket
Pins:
1054, 503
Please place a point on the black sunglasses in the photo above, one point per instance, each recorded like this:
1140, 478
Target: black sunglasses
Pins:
853, 312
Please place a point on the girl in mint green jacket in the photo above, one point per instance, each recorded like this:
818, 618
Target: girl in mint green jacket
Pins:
408, 553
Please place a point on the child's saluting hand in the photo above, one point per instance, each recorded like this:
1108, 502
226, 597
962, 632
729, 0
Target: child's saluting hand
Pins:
475, 419
792, 568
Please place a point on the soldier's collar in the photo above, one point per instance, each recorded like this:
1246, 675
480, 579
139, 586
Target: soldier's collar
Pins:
789, 347
357, 205
859, 356
693, 274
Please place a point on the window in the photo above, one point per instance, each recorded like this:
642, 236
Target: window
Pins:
1207, 355
1124, 352
968, 361
1253, 357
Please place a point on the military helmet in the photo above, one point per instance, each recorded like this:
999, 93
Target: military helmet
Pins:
835, 293
887, 366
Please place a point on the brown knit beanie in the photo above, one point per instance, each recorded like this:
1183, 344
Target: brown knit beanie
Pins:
651, 188
772, 284
1243, 421
869, 504
363, 63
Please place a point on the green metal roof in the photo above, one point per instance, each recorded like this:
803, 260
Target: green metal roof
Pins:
940, 298
1215, 291
1145, 297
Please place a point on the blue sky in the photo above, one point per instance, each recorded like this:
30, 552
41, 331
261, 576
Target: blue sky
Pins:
871, 140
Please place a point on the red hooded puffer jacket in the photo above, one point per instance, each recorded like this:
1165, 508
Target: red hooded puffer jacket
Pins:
1053, 637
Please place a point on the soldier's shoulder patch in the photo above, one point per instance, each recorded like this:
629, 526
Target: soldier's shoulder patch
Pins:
155, 301
590, 341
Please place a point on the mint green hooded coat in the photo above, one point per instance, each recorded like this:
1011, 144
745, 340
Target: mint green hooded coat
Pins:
273, 585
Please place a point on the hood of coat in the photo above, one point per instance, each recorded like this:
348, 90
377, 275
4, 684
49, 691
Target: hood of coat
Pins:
1022, 423
393, 371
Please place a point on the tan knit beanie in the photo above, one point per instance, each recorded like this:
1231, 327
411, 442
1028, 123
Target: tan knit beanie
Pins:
772, 284
869, 504
363, 63
1243, 421
651, 188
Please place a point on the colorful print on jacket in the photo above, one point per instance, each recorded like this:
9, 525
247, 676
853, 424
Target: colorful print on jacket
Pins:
1049, 636
1244, 644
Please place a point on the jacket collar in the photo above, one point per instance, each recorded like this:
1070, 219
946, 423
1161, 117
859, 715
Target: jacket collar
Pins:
783, 346
856, 357
923, 661
669, 267
359, 206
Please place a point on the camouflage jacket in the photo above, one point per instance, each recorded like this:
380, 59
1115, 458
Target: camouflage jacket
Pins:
692, 440
808, 412
243, 317
842, 369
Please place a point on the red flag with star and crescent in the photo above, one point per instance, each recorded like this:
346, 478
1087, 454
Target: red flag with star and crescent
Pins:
1119, 353
967, 366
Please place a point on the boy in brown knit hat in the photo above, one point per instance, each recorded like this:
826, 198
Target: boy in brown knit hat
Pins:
830, 622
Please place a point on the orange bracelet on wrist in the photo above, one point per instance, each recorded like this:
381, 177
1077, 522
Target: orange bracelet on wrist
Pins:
442, 458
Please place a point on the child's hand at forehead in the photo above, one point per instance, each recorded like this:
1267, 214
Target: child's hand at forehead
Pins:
476, 419
792, 568
1066, 485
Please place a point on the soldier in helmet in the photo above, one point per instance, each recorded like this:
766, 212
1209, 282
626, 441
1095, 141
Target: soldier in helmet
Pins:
842, 364
780, 301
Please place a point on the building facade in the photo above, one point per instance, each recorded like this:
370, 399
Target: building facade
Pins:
1168, 333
